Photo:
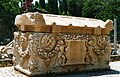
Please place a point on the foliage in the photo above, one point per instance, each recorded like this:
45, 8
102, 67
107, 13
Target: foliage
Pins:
92, 8
75, 7
37, 5
8, 10
63, 8
10, 6
42, 3
53, 6
102, 9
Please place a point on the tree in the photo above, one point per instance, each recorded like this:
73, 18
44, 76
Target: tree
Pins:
101, 9
37, 5
60, 7
75, 7
10, 6
92, 8
8, 10
63, 7
42, 3
53, 6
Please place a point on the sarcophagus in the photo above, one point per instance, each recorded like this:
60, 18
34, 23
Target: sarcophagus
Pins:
54, 43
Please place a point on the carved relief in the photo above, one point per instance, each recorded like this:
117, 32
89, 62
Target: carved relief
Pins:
98, 45
60, 48
73, 36
20, 46
45, 45
16, 57
89, 52
36, 51
23, 51
103, 47
32, 64
49, 46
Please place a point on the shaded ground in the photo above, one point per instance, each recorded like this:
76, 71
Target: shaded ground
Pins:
113, 72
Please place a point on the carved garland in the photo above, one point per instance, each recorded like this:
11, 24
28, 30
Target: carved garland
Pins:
95, 44
48, 46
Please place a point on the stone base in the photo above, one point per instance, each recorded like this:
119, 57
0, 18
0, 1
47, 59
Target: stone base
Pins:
19, 68
63, 69
113, 72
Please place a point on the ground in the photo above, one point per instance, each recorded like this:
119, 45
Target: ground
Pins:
113, 72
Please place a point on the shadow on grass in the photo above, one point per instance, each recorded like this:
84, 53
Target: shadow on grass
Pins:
81, 74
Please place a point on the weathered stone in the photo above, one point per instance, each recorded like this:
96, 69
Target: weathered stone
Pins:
53, 43
113, 72
61, 24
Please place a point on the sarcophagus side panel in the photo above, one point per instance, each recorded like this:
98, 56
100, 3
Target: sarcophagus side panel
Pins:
36, 53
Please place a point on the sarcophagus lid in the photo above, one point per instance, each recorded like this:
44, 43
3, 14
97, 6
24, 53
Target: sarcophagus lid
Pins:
49, 23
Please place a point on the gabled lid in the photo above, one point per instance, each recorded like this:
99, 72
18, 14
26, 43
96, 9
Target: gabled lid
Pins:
38, 22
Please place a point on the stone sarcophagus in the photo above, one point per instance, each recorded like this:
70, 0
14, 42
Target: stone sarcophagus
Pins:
53, 43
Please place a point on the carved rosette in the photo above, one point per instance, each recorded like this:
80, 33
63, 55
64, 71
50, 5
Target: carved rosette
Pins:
45, 45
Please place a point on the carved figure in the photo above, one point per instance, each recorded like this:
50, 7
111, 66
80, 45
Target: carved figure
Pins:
32, 64
23, 49
16, 57
89, 53
61, 46
102, 47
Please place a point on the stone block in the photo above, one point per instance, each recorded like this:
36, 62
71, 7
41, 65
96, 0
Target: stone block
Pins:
54, 43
